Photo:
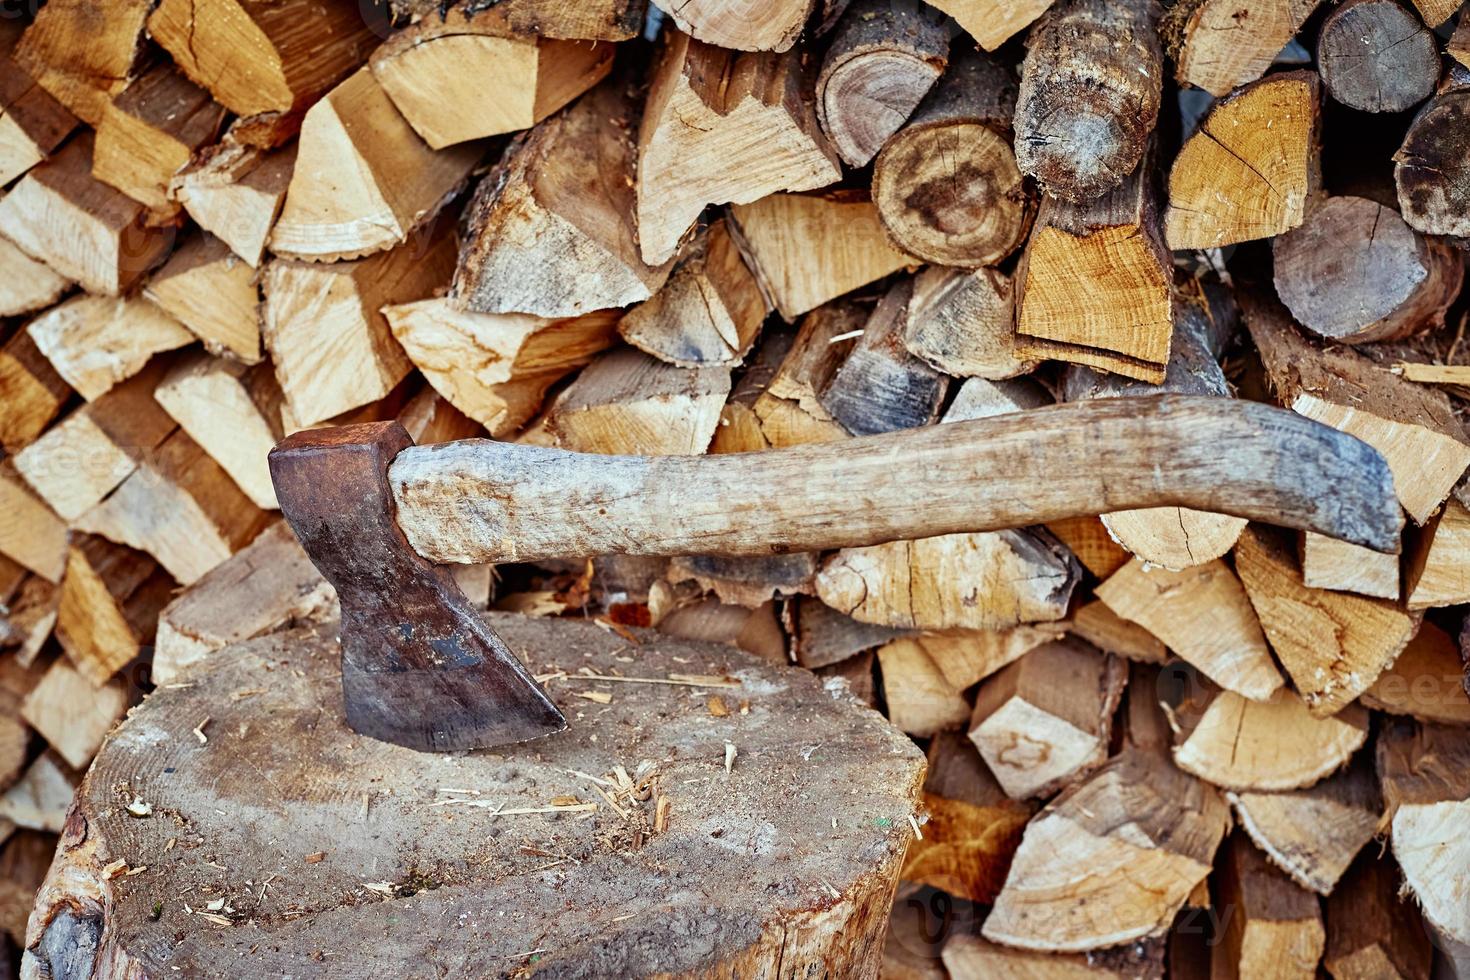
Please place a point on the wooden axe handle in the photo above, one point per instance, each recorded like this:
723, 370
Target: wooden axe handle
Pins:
483, 501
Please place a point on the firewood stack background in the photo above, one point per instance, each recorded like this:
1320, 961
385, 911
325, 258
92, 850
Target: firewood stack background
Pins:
1161, 740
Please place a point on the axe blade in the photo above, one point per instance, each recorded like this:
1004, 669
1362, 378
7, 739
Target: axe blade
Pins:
419, 666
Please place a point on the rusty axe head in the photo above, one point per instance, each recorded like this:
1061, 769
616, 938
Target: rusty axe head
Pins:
419, 666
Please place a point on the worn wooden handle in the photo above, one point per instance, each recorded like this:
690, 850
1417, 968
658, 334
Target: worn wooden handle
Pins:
483, 501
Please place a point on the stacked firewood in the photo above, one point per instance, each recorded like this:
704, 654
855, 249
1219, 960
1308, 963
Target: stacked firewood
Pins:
1159, 740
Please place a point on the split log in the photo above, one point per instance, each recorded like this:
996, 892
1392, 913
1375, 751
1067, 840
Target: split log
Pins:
82, 458
1327, 563
363, 180
883, 57
1376, 56
1239, 744
15, 739
1430, 169
1437, 572
1333, 644
756, 631
1424, 682
880, 386
1411, 425
1436, 12
1095, 280
920, 699
551, 228
110, 600
979, 398
42, 797
963, 323
214, 293
96, 342
1355, 272
1219, 45
26, 284
467, 76
235, 192
721, 127
31, 392
261, 60
969, 957
71, 714
1250, 169
31, 535
233, 412
1373, 930
946, 185
1314, 834
1044, 721
32, 123
149, 131
750, 581
1204, 616
790, 409
330, 342
935, 583
667, 812
1088, 538
822, 636
993, 22
30, 616
708, 313
496, 367
1091, 85
1173, 537
84, 52
1425, 773
83, 229
1110, 633
625, 402
592, 20
23, 866
744, 25
181, 508
740, 426
966, 657
807, 249
1276, 927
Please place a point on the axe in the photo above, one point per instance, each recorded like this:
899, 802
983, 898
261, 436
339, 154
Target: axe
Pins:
379, 515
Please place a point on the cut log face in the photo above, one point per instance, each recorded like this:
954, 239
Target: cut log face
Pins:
83, 229
932, 583
330, 343
626, 402
720, 127
1204, 616
708, 313
1276, 929
1333, 644
1331, 564
681, 807
27, 284
72, 714
1110, 633
32, 122
364, 181
790, 409
42, 797
95, 342
963, 323
110, 600
1438, 573
31, 392
257, 60
1425, 682
1239, 179
946, 186
823, 636
1314, 834
213, 292
495, 367
594, 20
1091, 85
993, 22
551, 229
1044, 721
30, 617
1134, 839
1377, 57
1089, 540
1355, 272
1373, 930
884, 56
744, 25
1431, 172
1423, 769
235, 192
527, 78
31, 535
1239, 744
1223, 44
808, 249
921, 700
83, 53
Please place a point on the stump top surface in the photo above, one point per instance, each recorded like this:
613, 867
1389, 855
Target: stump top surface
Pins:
339, 855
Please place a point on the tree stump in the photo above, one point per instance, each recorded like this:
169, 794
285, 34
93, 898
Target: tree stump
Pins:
729, 818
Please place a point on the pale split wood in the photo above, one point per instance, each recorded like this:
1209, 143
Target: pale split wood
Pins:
31, 392
235, 192
1109, 632
72, 714
992, 22
1437, 572
27, 284
1089, 539
970, 957
214, 293
1436, 12
30, 617
110, 600
40, 799
1219, 45
1425, 681
1276, 927
83, 52
756, 631
979, 398
95, 342
921, 699
32, 122
789, 410
1330, 564
744, 25
31, 534
593, 20
963, 323
965, 657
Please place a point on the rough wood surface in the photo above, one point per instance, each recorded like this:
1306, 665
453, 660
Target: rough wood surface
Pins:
1203, 448
31, 535
1089, 540
27, 284
668, 811
95, 342
1425, 681
214, 293
110, 601
1218, 45
822, 636
883, 57
962, 322
1372, 930
235, 192
744, 25
593, 20
84, 52
31, 392
789, 408
1238, 178
992, 22
32, 122
1376, 56
1276, 927
1436, 573
946, 185
1330, 564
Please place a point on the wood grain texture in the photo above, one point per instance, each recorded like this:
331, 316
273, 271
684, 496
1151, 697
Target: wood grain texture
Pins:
1375, 56
743, 25
992, 22
1218, 45
1425, 682
1430, 173
963, 323
1373, 930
